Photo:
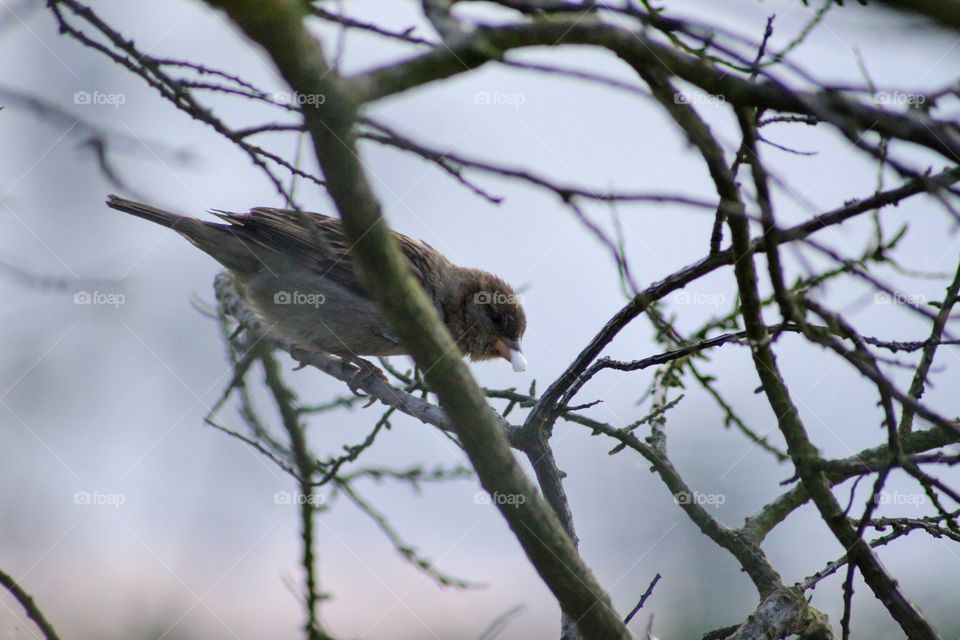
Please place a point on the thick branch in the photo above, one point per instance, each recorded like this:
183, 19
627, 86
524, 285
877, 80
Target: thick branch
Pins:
402, 401
490, 43
278, 27
837, 471
802, 451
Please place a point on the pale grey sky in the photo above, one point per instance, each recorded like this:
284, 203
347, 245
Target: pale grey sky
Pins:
110, 400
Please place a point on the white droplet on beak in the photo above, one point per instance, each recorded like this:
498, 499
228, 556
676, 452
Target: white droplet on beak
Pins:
517, 360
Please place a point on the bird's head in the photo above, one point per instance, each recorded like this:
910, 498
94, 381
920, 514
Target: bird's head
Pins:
493, 321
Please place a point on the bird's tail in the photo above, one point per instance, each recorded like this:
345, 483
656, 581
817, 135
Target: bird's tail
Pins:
217, 240
147, 212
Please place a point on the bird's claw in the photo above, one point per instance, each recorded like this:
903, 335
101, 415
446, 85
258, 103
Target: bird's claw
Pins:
300, 355
366, 371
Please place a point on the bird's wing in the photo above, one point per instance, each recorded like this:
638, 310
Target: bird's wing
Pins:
316, 241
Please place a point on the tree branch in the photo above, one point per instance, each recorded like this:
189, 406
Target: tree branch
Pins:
278, 27
26, 601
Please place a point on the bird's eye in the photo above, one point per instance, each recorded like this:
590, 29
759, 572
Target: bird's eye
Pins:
497, 318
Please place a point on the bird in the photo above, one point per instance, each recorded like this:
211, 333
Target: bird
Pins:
295, 270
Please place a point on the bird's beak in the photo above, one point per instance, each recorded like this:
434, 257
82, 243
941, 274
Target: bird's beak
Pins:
509, 350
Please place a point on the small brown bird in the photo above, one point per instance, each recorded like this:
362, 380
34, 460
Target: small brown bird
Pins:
298, 275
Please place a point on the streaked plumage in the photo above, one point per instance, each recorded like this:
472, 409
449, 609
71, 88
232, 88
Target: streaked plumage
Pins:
295, 270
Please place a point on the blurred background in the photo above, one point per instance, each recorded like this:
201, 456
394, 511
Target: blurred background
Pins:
180, 535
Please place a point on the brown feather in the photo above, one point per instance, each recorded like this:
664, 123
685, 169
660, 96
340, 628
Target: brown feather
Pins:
278, 253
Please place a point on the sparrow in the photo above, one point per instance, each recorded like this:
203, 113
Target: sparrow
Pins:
294, 269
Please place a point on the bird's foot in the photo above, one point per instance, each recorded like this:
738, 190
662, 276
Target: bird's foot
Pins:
366, 371
361, 377
300, 355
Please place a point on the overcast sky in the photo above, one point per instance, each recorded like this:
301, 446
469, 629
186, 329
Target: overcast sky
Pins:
109, 398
